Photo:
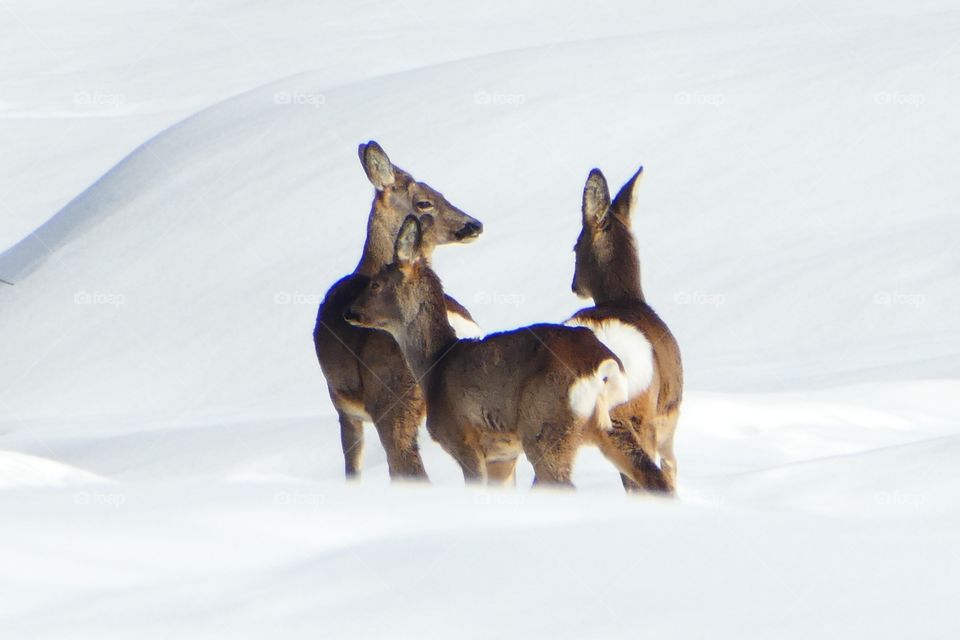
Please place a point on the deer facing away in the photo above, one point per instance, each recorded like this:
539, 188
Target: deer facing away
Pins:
543, 389
608, 270
367, 377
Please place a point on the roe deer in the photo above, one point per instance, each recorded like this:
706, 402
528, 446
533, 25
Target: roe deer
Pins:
543, 389
366, 374
608, 270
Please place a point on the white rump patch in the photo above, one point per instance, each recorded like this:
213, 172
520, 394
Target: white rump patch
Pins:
463, 327
615, 381
630, 345
606, 388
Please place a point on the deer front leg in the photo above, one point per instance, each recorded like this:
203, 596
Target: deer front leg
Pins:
471, 462
351, 439
398, 434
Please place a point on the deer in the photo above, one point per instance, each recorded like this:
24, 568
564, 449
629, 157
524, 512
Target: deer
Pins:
367, 377
607, 270
543, 390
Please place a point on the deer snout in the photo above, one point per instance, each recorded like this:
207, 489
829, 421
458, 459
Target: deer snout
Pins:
470, 231
352, 316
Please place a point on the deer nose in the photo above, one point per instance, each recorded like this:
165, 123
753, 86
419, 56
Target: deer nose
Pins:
350, 315
470, 230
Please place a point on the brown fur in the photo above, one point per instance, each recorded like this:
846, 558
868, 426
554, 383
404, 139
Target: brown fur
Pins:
608, 270
367, 377
488, 400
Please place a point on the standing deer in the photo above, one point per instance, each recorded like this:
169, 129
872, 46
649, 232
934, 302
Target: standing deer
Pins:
367, 377
608, 270
543, 389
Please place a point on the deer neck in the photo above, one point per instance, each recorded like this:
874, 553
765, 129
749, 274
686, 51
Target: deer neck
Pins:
378, 247
619, 277
427, 339
618, 287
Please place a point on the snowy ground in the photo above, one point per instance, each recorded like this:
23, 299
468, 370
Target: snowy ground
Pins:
180, 186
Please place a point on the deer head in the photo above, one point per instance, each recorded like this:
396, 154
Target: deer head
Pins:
607, 266
398, 195
404, 289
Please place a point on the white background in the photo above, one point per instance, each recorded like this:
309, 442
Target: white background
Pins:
180, 187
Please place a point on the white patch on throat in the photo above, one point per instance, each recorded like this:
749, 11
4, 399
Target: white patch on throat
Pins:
630, 345
463, 327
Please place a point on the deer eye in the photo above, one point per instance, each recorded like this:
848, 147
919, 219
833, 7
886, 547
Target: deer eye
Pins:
374, 286
424, 205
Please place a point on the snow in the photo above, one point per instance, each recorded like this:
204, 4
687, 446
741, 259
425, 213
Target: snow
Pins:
182, 187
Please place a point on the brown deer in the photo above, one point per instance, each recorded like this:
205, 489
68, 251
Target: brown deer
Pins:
608, 270
366, 374
543, 389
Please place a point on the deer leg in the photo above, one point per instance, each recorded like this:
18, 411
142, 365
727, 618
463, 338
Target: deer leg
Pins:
471, 462
551, 471
666, 430
502, 472
551, 451
398, 434
403, 453
647, 441
629, 485
645, 434
351, 439
621, 447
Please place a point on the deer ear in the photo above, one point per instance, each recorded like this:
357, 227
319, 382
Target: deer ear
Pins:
407, 249
376, 164
622, 206
596, 198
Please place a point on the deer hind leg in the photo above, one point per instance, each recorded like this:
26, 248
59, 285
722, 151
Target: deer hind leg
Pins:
666, 429
620, 446
629, 484
625, 419
551, 450
351, 439
637, 417
502, 472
